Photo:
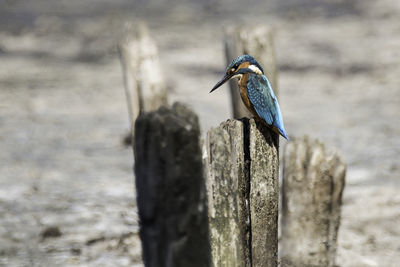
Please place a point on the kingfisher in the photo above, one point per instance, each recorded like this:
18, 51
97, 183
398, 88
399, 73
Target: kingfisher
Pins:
256, 91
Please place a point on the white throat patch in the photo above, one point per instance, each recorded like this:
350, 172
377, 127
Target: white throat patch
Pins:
237, 76
255, 69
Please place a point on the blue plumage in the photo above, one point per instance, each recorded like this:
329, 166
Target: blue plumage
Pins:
255, 90
244, 58
264, 101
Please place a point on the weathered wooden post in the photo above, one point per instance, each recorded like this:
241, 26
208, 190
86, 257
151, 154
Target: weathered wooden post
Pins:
241, 161
264, 194
228, 194
257, 42
313, 182
143, 81
170, 187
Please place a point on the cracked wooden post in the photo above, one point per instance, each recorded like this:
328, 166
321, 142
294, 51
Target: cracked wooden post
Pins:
313, 183
241, 161
227, 191
264, 194
143, 81
171, 194
257, 42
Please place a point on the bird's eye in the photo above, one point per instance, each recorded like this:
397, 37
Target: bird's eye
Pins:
232, 70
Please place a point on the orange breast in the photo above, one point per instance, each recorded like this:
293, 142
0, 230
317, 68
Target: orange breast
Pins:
243, 94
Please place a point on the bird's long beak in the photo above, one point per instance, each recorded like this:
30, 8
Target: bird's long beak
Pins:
221, 82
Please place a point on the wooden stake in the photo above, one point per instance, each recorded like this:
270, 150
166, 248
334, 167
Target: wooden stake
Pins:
144, 85
171, 194
241, 160
313, 183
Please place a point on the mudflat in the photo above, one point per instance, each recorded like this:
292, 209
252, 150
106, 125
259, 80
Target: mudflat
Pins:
67, 194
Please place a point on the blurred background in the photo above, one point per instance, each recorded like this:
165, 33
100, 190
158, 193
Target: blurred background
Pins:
66, 182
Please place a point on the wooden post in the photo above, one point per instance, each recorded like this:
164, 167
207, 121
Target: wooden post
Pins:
241, 161
264, 194
257, 42
171, 194
313, 182
144, 85
228, 190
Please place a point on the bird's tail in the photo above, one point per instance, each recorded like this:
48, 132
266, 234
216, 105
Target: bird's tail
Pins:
280, 130
283, 133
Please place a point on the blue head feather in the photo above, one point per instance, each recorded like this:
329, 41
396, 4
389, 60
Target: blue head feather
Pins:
244, 58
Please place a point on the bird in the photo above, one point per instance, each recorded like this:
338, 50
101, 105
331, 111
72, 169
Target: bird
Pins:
256, 91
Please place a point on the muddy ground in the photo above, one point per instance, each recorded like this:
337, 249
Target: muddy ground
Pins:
66, 184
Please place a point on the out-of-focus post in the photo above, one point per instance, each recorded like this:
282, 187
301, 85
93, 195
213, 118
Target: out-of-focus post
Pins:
143, 80
171, 194
313, 183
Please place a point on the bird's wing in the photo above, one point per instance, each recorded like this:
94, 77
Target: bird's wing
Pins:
262, 97
264, 101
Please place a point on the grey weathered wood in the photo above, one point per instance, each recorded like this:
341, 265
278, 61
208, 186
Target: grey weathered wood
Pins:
313, 182
257, 42
143, 81
264, 194
170, 187
227, 188
241, 161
